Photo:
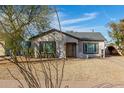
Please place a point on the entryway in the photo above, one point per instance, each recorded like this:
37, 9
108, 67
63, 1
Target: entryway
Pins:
70, 50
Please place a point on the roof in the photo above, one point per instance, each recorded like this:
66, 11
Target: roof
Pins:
49, 31
89, 36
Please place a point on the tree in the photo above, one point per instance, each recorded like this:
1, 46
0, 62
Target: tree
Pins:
117, 34
16, 22
16, 25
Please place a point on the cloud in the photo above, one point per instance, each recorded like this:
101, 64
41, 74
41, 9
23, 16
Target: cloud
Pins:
113, 19
69, 24
66, 24
85, 17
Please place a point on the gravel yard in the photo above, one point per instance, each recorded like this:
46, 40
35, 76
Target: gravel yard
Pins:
108, 72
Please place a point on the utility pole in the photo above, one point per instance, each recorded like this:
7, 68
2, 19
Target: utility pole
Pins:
92, 30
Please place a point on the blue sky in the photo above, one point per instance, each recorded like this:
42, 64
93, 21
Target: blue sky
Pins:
85, 18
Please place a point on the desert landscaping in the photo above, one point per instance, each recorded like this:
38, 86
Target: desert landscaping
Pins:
95, 72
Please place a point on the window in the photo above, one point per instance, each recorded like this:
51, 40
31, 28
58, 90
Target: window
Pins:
28, 44
90, 48
47, 47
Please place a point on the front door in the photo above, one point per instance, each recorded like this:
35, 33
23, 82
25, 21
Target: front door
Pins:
70, 49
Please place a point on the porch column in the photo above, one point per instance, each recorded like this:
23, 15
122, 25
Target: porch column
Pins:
35, 48
77, 53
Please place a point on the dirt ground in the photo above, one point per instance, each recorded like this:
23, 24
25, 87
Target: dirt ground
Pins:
108, 72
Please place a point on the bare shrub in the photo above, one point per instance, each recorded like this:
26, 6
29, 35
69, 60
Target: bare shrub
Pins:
16, 21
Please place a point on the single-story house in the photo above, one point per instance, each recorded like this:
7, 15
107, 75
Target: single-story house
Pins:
68, 44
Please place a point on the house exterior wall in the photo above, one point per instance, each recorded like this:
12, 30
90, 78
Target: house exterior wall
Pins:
60, 39
101, 47
2, 50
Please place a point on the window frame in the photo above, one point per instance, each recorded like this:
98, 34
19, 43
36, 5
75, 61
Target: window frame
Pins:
41, 45
85, 46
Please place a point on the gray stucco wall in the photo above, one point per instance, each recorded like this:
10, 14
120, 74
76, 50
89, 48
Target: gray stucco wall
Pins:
101, 47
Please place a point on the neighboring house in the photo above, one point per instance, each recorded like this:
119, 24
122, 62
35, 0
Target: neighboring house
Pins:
68, 44
2, 50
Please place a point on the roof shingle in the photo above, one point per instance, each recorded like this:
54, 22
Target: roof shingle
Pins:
88, 35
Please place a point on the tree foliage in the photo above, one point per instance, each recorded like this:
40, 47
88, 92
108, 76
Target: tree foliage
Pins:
17, 22
117, 34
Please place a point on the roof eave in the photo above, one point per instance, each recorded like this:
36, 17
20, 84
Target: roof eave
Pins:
44, 33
